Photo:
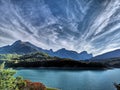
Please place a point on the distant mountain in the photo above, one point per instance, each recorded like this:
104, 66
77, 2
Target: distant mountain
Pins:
63, 53
20, 47
112, 54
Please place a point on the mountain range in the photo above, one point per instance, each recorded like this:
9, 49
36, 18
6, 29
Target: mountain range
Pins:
20, 47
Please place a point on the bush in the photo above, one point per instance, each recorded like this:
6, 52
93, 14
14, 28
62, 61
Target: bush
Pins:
34, 85
8, 81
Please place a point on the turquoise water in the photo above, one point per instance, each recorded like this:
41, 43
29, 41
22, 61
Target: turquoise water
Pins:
73, 80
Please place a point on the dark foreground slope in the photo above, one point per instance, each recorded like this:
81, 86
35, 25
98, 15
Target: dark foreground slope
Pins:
59, 64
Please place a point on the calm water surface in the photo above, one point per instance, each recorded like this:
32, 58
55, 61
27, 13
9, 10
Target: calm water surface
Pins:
73, 80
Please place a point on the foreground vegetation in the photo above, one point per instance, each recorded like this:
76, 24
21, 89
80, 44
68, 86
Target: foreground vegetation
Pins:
9, 82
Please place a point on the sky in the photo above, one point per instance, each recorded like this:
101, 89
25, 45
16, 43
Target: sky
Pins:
79, 25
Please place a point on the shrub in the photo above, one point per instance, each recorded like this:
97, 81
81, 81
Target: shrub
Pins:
8, 81
34, 85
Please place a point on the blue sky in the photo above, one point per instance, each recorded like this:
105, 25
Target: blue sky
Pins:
79, 25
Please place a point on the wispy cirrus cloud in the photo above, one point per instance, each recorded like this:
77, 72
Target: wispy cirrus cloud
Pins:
79, 25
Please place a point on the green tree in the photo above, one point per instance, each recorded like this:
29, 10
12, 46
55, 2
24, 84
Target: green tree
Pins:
8, 81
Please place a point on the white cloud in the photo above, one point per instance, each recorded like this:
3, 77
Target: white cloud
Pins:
45, 30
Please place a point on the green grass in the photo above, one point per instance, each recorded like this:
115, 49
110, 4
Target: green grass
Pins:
48, 88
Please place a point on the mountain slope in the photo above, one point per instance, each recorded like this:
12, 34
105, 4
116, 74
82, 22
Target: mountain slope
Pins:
112, 54
20, 47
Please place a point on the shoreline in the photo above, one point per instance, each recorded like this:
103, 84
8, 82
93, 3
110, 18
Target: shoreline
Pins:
63, 68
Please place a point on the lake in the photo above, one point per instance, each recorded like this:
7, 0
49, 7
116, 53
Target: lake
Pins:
73, 79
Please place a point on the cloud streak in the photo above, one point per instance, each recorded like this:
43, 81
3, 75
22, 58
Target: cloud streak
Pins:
79, 25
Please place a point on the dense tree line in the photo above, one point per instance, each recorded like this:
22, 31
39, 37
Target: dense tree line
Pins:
60, 64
